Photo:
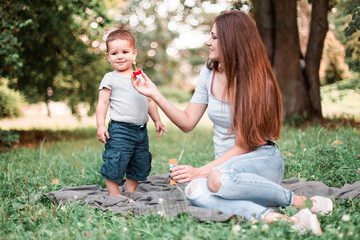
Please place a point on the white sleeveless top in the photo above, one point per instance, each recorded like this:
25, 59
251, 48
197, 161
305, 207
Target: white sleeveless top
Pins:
219, 112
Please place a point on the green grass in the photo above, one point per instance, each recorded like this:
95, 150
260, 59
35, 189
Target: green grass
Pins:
330, 155
342, 99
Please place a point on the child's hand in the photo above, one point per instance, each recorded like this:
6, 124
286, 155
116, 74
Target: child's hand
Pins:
160, 129
101, 133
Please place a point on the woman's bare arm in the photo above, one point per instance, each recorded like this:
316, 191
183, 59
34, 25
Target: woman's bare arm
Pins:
186, 119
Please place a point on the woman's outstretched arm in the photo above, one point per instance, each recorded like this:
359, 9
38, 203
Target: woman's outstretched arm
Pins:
186, 119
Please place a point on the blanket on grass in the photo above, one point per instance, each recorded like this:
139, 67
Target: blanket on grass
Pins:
162, 198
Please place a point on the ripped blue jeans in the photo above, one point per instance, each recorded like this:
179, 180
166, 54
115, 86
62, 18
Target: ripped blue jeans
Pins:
249, 185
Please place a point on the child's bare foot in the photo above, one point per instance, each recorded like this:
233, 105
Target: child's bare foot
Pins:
130, 200
119, 195
135, 192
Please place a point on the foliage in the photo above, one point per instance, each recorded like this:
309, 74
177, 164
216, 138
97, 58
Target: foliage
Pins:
7, 138
50, 50
334, 60
332, 72
47, 52
35, 137
354, 24
28, 172
297, 120
155, 25
11, 24
346, 20
11, 102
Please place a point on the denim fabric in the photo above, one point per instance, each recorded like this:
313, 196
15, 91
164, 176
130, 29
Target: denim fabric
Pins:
126, 151
250, 185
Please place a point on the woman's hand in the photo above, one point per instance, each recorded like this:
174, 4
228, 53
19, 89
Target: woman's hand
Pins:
184, 173
148, 88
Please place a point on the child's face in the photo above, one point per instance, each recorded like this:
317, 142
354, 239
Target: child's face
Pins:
121, 54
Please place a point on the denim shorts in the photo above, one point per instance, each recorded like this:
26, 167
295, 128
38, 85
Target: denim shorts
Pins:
126, 152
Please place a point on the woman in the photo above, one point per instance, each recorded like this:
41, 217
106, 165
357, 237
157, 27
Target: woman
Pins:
242, 97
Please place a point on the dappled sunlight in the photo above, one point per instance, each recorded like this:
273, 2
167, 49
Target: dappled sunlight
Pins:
340, 103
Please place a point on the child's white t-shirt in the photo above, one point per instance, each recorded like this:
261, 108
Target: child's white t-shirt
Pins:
126, 104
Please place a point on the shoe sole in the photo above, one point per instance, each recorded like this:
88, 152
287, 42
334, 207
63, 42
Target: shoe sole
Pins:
330, 207
315, 225
314, 222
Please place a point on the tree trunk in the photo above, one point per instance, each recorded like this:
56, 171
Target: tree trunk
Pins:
318, 30
264, 17
277, 24
287, 60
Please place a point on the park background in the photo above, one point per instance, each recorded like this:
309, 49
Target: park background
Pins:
52, 61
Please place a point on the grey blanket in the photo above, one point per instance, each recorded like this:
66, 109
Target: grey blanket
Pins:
161, 198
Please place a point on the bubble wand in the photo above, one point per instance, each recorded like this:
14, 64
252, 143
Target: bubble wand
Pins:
137, 73
173, 163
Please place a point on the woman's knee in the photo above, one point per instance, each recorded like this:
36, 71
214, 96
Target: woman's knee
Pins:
190, 189
214, 180
196, 189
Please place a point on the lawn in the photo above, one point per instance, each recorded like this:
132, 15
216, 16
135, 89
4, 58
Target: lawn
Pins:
329, 154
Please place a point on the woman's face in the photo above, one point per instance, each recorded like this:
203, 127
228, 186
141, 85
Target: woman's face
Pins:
213, 44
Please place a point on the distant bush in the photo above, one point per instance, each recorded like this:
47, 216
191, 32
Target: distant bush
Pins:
335, 68
7, 138
10, 102
351, 83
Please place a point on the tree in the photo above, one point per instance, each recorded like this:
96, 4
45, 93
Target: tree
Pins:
298, 75
51, 49
155, 26
11, 24
53, 52
346, 19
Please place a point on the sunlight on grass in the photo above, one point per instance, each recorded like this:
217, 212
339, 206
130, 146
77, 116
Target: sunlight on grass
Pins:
340, 102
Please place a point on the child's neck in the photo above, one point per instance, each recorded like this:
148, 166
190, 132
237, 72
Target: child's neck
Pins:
125, 73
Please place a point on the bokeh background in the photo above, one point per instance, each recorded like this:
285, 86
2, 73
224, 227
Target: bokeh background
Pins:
52, 54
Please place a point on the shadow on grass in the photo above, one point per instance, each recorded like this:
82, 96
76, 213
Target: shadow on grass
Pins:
33, 138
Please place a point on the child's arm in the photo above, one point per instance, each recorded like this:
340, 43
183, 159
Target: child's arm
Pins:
101, 110
154, 114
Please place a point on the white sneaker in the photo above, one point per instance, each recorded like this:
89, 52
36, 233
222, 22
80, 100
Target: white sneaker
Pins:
321, 205
305, 220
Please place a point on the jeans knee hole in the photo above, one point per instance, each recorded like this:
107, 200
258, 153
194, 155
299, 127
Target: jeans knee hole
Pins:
190, 189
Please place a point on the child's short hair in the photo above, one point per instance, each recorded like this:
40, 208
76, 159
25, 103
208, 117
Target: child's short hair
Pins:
120, 34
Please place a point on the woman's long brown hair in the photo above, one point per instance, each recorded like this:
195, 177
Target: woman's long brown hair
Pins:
251, 84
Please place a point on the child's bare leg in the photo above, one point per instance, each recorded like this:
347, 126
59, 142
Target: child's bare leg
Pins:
131, 185
113, 188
